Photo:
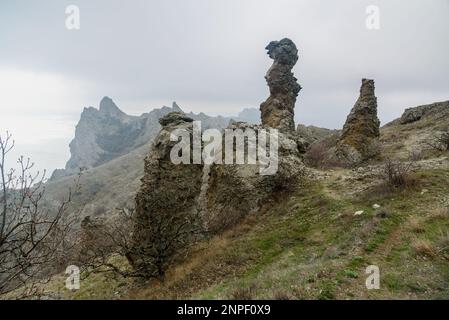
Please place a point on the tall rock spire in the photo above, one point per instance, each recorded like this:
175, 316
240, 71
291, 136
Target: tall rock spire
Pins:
278, 110
361, 129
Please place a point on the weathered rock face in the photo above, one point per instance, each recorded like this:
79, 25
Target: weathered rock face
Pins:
164, 181
439, 109
278, 109
361, 129
106, 133
231, 192
166, 216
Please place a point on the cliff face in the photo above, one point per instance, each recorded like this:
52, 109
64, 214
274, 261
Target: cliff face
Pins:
361, 129
278, 110
107, 133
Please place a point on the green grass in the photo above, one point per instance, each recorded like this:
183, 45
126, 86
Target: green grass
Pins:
310, 246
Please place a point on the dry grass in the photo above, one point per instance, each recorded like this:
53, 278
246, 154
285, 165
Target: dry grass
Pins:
282, 295
246, 293
199, 268
438, 213
443, 242
424, 247
416, 224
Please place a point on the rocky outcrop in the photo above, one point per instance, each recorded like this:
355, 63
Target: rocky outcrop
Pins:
439, 109
206, 199
231, 192
278, 109
166, 215
361, 130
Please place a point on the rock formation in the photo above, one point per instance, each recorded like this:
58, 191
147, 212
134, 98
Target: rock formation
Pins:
166, 215
361, 129
278, 109
206, 199
439, 109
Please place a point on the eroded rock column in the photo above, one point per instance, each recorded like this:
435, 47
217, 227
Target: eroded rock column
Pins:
278, 110
361, 129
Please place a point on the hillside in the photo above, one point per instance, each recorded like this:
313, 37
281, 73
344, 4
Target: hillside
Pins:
307, 221
311, 244
112, 182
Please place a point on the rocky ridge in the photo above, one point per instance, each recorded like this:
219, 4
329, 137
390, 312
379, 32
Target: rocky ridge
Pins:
107, 133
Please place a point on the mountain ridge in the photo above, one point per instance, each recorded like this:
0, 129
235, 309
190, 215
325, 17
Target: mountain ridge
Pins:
107, 133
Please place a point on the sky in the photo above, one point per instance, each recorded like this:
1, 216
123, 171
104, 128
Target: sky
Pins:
208, 55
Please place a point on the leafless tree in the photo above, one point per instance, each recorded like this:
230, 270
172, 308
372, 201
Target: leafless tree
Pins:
30, 235
101, 240
396, 174
159, 243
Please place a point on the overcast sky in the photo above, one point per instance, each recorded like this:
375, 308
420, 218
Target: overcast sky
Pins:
209, 56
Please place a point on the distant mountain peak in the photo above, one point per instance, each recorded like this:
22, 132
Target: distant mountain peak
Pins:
107, 106
106, 133
175, 107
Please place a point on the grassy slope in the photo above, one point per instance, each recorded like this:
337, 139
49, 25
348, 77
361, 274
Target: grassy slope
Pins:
311, 246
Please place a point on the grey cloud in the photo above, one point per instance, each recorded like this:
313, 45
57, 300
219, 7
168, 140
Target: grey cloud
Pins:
209, 55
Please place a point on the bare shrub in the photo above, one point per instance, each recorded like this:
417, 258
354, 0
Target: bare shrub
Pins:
101, 240
166, 239
397, 174
320, 155
31, 236
316, 155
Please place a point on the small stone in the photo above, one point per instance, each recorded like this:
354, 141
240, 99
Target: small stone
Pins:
358, 213
376, 206
424, 191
